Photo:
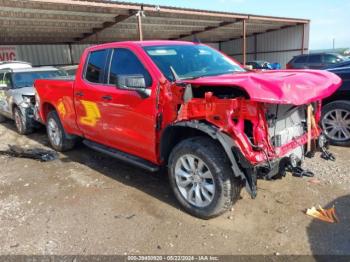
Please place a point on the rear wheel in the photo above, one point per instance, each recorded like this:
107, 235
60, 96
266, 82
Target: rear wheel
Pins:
58, 138
23, 123
336, 122
201, 178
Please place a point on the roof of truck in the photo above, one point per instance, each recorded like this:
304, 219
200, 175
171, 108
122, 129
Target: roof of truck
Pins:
144, 43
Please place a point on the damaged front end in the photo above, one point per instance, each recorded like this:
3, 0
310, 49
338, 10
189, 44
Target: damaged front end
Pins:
266, 138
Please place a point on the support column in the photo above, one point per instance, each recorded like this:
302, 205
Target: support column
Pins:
303, 40
244, 41
139, 24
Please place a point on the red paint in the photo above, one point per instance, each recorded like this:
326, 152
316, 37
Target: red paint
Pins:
128, 121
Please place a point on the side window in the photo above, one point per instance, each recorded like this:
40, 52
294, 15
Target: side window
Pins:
330, 59
301, 59
7, 80
95, 66
2, 78
125, 64
315, 59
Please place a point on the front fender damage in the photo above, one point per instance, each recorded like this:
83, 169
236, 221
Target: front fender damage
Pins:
241, 168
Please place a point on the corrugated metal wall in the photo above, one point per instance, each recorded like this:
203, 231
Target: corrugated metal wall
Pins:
40, 55
276, 46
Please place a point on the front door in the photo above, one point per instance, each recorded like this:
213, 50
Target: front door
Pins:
129, 118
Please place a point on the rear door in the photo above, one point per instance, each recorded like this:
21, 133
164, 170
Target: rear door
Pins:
88, 95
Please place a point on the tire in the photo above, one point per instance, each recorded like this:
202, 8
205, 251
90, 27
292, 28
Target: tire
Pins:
58, 138
336, 116
2, 119
224, 188
23, 123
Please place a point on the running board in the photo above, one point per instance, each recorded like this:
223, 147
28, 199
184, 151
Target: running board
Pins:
125, 157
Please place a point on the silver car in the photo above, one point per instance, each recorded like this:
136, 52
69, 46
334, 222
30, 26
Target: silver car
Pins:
17, 95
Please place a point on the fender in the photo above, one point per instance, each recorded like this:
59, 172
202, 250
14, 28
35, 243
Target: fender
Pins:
238, 161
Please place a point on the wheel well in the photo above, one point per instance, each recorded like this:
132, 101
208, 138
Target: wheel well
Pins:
337, 96
174, 135
47, 108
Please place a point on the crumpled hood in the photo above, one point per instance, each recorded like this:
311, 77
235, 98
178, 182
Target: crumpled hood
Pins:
295, 87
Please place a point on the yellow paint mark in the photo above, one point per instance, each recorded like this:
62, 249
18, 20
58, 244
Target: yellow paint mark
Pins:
92, 113
61, 109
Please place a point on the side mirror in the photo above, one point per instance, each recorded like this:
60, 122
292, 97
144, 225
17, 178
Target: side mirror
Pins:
3, 86
134, 83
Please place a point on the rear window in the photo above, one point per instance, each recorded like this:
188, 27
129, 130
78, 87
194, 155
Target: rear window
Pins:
315, 59
300, 59
95, 66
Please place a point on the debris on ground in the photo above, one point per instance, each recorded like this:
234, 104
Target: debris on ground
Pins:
327, 215
40, 154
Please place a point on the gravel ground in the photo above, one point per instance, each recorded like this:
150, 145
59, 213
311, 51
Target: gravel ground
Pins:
87, 203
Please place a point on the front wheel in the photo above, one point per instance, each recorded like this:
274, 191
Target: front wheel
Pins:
201, 178
59, 140
23, 122
336, 122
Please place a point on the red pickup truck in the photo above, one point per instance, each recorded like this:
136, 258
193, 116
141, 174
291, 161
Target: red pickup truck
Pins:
190, 108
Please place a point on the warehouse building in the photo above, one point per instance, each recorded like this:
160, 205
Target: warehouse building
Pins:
48, 32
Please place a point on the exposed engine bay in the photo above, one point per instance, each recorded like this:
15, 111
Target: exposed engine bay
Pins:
271, 138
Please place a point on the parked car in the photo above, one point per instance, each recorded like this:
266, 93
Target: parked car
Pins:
315, 61
260, 65
17, 94
190, 108
69, 70
336, 110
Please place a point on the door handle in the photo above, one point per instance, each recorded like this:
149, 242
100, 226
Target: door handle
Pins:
79, 93
106, 98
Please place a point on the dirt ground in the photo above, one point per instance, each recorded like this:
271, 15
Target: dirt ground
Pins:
88, 203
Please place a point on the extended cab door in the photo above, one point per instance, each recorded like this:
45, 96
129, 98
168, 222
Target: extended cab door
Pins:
88, 92
129, 117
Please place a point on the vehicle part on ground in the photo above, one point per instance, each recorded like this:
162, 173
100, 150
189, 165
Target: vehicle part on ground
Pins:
201, 177
23, 123
326, 215
58, 138
298, 171
32, 153
336, 122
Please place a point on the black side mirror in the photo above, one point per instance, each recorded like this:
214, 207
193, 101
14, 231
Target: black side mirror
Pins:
134, 83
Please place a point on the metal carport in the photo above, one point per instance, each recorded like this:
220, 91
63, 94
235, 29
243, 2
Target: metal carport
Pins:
67, 26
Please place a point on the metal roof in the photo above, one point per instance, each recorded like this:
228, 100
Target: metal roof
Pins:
97, 21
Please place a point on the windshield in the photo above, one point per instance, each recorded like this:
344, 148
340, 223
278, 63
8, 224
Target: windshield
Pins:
191, 61
26, 79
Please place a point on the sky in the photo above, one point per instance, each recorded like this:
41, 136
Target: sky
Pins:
330, 19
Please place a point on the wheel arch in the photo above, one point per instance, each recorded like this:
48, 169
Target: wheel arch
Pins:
46, 109
179, 131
